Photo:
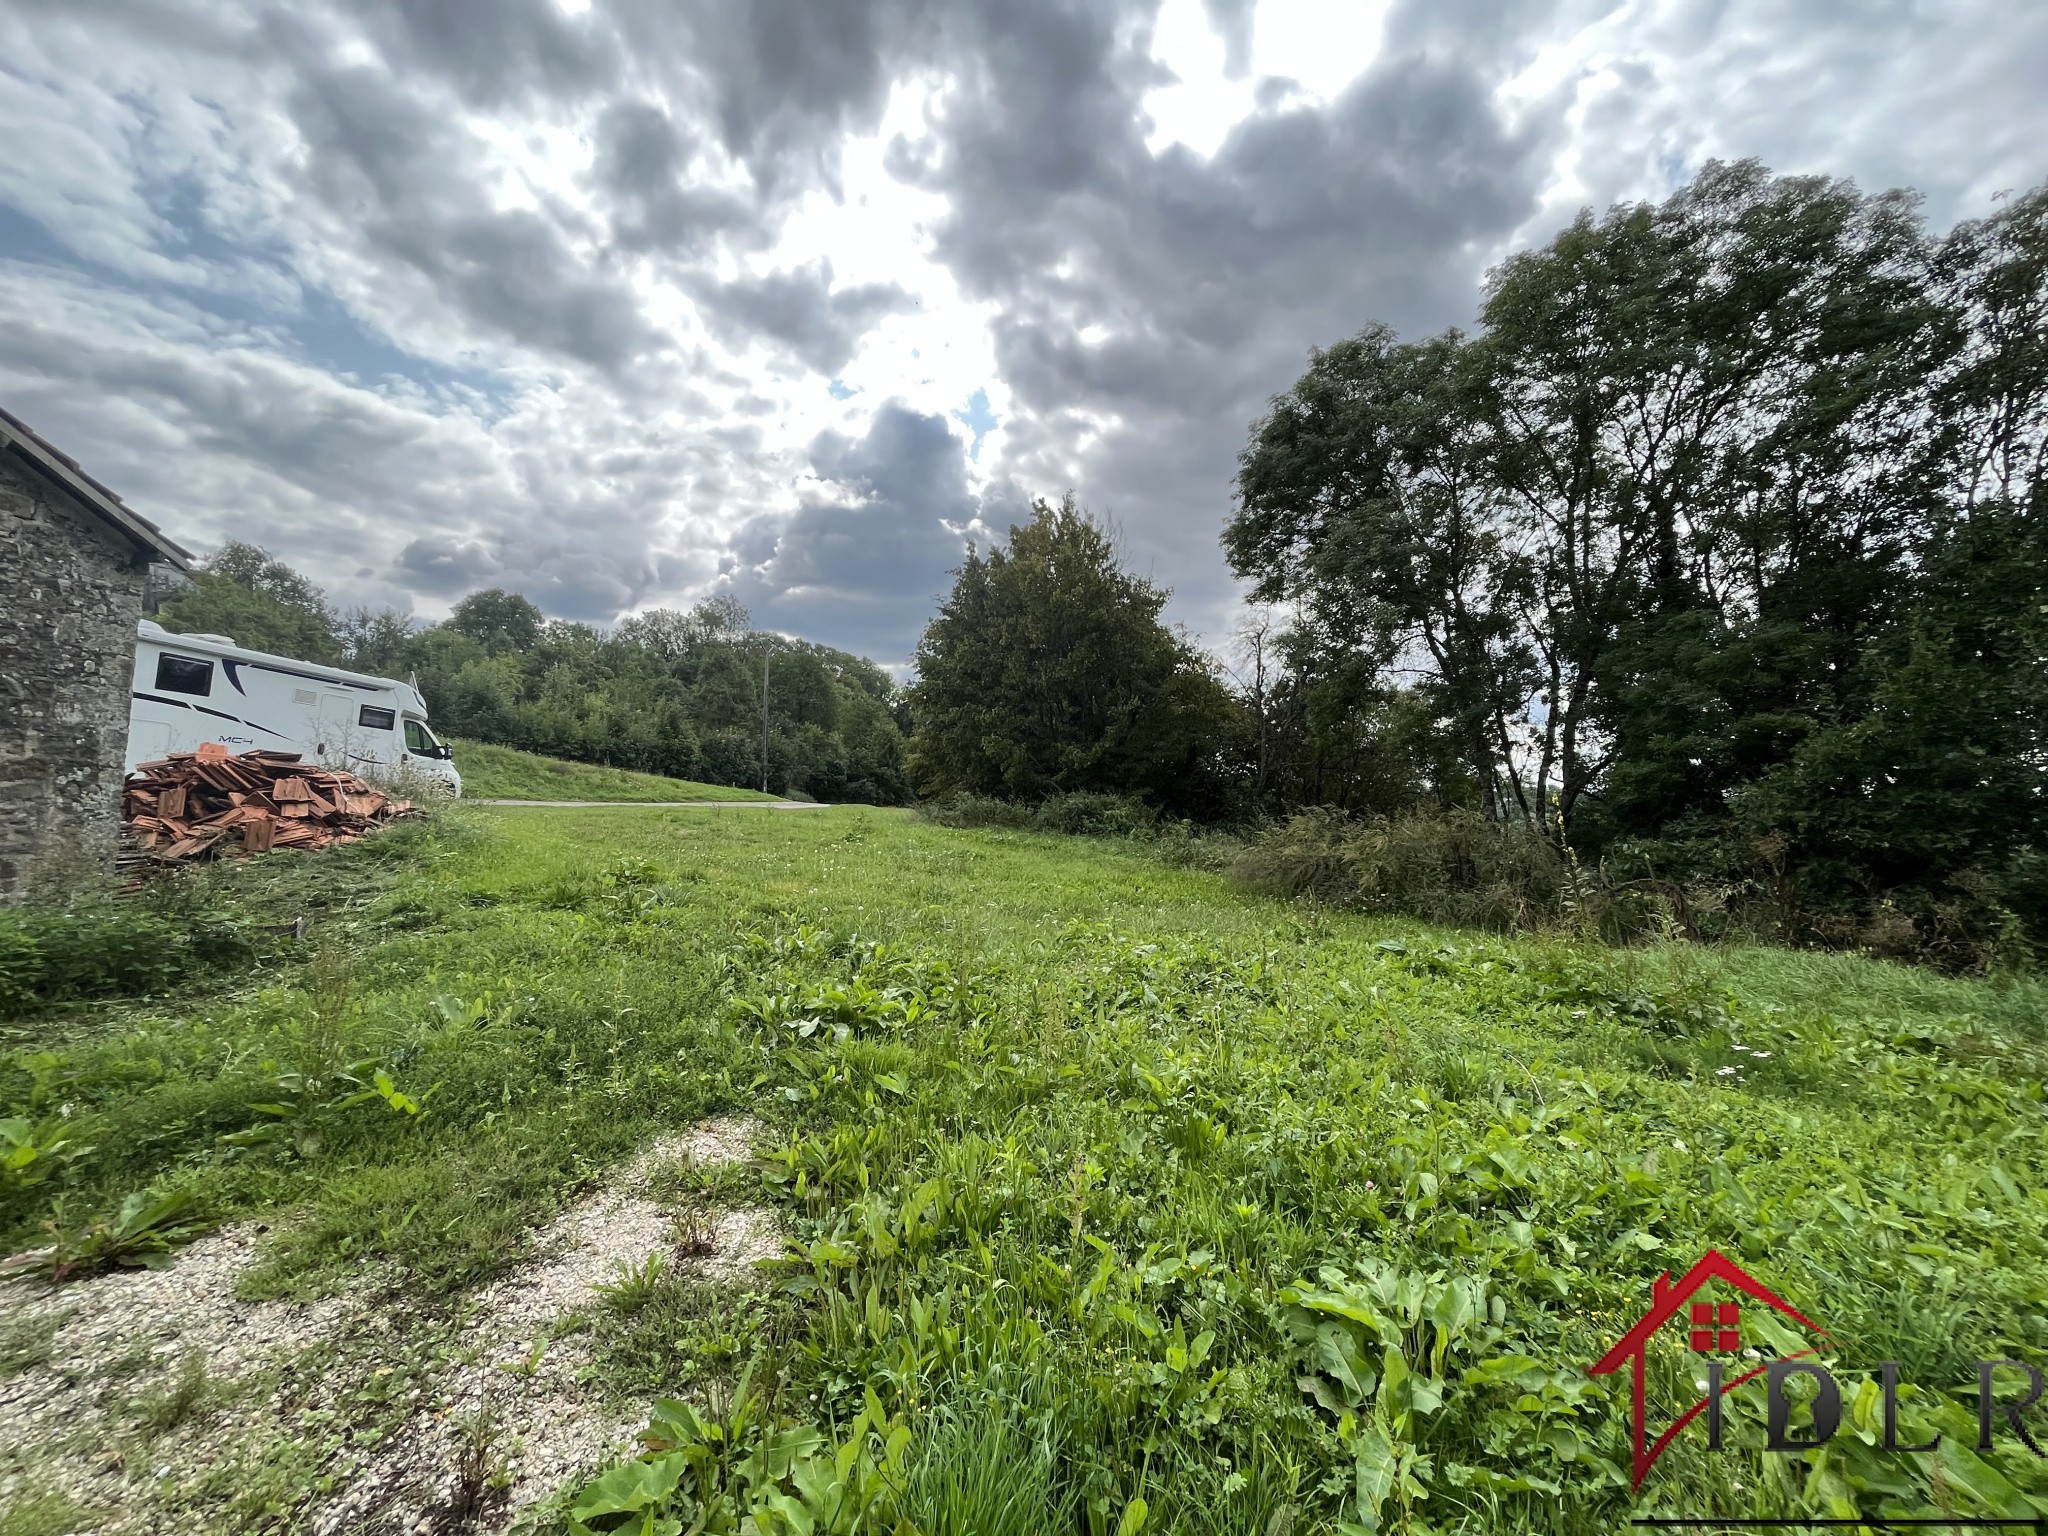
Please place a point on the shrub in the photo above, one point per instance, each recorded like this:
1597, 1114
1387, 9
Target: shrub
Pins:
1095, 815
1083, 813
105, 949
1451, 868
971, 810
1460, 869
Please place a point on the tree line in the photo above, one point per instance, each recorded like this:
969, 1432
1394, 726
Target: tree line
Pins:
1715, 560
1716, 557
1720, 550
667, 692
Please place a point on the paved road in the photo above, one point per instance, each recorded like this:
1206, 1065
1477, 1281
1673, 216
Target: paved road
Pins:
665, 805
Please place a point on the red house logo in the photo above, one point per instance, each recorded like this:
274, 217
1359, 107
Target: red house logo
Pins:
1712, 1328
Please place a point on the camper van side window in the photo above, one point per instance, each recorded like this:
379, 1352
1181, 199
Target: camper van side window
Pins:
374, 719
184, 674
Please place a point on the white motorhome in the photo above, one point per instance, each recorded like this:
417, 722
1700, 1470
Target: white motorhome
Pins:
195, 688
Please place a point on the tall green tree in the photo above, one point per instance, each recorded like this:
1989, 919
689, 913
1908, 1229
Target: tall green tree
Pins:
256, 601
1934, 795
498, 620
1047, 671
1713, 430
1366, 495
1675, 554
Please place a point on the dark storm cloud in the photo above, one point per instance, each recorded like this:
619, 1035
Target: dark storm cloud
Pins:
496, 51
1045, 112
800, 310
780, 81
1305, 208
643, 159
588, 574
1173, 294
869, 550
447, 567
590, 581
888, 513
235, 222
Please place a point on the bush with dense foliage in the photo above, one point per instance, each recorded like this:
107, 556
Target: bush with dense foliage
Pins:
101, 948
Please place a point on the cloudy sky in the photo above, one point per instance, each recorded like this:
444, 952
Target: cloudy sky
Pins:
622, 303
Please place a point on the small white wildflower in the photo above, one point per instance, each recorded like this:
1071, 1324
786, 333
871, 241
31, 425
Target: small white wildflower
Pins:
1725, 1071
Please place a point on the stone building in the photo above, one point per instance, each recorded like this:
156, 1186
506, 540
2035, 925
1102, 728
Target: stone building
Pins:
74, 563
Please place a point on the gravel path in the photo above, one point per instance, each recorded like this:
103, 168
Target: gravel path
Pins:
87, 1355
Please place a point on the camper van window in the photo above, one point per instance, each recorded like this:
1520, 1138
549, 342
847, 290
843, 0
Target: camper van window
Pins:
374, 719
184, 674
417, 739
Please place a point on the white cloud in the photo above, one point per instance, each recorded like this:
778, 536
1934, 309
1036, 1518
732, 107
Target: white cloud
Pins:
1312, 46
621, 301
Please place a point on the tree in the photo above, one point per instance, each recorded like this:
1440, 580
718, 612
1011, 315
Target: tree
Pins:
667, 692
1934, 795
1712, 429
671, 633
376, 641
498, 620
1720, 536
1660, 498
1366, 493
258, 602
1047, 671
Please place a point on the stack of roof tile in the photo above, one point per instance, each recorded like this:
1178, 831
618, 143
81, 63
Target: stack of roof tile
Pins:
191, 804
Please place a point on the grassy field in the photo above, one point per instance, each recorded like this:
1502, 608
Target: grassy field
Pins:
1115, 1202
505, 773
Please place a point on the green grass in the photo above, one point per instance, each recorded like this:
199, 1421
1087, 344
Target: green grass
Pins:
505, 773
1091, 1166
47, 1513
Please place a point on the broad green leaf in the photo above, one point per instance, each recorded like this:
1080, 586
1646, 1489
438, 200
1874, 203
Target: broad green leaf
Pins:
631, 1488
1377, 1466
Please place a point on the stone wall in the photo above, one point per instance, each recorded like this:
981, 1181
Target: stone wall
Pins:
70, 595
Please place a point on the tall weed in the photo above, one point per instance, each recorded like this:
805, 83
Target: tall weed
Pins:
1456, 868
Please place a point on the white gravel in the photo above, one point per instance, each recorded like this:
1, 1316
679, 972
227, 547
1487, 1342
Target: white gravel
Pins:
66, 1424
123, 1336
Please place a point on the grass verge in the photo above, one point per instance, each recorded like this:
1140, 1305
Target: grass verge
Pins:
505, 773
